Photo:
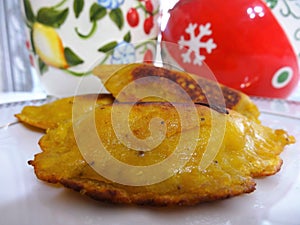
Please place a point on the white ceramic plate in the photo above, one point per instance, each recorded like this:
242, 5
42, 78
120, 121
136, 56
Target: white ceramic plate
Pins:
26, 200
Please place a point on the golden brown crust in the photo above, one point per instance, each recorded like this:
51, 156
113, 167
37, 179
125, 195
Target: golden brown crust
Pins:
101, 191
248, 150
199, 89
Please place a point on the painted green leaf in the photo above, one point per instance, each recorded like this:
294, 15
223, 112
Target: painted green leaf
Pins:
97, 12
59, 4
271, 3
77, 74
116, 16
32, 42
89, 34
127, 37
28, 11
52, 17
71, 57
108, 47
43, 67
78, 7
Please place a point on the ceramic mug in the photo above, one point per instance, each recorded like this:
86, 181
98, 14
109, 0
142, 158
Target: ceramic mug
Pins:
240, 40
287, 13
67, 38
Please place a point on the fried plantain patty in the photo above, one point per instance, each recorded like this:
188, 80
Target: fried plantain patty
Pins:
116, 77
247, 150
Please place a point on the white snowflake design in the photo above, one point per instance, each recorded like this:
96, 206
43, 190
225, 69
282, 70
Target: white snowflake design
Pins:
195, 43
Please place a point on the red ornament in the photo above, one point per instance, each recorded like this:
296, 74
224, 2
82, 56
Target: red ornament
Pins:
240, 40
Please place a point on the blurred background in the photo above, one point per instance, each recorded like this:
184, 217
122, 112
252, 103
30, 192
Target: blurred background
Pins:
15, 71
16, 74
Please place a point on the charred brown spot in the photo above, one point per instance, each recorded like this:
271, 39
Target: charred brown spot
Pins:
184, 80
232, 97
72, 185
141, 153
148, 202
200, 90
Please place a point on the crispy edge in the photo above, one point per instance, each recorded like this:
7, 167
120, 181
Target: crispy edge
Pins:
26, 118
102, 191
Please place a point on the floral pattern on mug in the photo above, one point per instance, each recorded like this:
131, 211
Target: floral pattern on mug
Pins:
111, 4
48, 45
123, 53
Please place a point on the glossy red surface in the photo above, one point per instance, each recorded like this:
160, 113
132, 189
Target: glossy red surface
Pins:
251, 52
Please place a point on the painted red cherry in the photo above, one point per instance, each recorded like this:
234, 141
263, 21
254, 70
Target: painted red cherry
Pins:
240, 40
148, 56
148, 6
132, 17
148, 24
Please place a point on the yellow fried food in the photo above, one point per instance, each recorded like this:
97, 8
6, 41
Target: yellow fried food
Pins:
51, 114
116, 77
246, 150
